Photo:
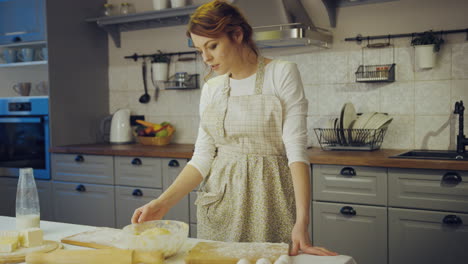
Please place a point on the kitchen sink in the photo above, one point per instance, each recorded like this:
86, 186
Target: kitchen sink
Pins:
433, 154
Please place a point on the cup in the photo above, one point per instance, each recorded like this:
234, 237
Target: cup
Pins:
22, 88
160, 4
26, 54
178, 3
44, 54
159, 71
42, 88
9, 55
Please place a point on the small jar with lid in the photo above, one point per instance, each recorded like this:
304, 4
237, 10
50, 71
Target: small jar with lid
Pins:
126, 8
108, 9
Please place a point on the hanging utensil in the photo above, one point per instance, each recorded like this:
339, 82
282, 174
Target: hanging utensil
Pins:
155, 84
145, 98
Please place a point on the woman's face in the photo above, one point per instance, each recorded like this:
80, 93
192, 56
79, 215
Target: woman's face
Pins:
221, 54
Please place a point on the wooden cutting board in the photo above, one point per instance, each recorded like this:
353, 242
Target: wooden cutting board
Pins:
100, 238
20, 254
231, 252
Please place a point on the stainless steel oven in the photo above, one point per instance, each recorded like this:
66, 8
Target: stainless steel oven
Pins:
24, 135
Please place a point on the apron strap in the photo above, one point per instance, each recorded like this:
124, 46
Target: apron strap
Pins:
260, 75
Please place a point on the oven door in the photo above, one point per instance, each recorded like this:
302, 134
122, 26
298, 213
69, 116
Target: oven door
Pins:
24, 143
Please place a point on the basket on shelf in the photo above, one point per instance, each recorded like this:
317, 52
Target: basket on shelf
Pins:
350, 139
155, 141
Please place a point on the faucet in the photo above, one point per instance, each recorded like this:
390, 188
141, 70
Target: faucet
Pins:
462, 141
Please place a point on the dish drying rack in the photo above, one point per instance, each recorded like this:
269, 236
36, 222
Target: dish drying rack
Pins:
350, 139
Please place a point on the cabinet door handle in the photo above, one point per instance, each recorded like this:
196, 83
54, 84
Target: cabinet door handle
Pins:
79, 158
137, 192
348, 210
348, 171
452, 220
174, 163
80, 188
451, 178
136, 162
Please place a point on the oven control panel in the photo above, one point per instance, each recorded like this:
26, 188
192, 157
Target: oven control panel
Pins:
19, 106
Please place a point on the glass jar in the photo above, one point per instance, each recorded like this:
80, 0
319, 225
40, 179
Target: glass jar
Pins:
108, 10
126, 8
27, 201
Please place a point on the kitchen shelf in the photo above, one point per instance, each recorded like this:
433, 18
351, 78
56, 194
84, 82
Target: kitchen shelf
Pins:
21, 44
22, 64
376, 73
114, 25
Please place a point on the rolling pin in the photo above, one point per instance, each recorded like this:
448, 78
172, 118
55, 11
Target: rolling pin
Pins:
99, 256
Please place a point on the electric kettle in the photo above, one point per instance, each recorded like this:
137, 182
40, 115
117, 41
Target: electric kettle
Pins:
121, 131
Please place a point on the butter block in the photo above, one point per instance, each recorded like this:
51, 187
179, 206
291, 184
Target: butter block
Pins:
9, 241
31, 237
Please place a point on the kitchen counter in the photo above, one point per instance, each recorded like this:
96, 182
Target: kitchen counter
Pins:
378, 158
56, 231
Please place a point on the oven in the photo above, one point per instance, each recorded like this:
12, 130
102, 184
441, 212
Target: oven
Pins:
24, 135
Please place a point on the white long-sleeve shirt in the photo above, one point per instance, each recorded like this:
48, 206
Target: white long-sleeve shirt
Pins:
283, 80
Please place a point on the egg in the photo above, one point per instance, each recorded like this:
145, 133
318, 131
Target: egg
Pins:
243, 261
283, 259
263, 261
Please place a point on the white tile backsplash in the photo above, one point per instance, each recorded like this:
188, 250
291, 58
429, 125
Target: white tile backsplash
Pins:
432, 98
420, 101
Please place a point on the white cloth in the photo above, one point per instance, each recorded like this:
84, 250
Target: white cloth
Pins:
283, 80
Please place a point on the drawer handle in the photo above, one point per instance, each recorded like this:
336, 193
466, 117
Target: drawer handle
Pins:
79, 158
452, 220
80, 188
174, 163
451, 178
348, 171
136, 162
137, 192
348, 210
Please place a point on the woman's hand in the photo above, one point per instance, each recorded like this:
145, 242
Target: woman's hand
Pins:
154, 210
301, 241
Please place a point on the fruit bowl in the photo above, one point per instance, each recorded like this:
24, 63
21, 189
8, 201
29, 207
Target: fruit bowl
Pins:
168, 242
155, 141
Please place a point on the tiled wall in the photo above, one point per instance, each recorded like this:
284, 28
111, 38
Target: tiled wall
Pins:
420, 101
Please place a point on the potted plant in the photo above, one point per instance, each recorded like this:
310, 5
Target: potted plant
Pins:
160, 66
426, 45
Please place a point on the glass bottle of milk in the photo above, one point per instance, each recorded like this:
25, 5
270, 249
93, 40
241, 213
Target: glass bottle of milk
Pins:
27, 201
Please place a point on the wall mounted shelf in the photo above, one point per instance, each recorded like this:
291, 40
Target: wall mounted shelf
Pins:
22, 64
114, 25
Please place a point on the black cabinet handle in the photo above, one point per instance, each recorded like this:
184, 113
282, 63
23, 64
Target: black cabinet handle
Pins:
80, 188
136, 162
451, 178
452, 220
348, 171
348, 210
79, 158
137, 192
174, 163
17, 39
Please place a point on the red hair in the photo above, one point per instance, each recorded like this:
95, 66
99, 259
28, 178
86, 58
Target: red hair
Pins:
216, 18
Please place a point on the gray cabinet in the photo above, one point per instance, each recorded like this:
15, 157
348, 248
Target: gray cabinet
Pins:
84, 203
349, 213
8, 197
83, 168
356, 230
138, 171
429, 237
127, 199
423, 220
171, 169
429, 189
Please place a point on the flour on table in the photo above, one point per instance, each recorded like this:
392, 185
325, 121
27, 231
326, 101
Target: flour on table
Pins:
270, 251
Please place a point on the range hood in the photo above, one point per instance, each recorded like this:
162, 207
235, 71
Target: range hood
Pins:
282, 23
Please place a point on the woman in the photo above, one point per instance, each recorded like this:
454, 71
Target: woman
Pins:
250, 152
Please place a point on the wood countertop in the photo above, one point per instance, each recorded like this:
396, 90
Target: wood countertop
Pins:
184, 151
378, 158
